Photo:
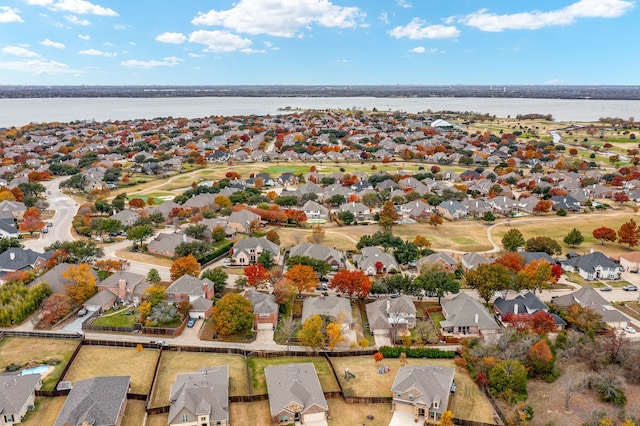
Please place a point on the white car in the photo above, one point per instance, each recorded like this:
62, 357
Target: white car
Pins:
629, 329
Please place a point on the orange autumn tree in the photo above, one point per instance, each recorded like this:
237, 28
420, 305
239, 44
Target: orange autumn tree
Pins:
540, 359
257, 275
537, 275
183, 266
81, 284
353, 283
302, 277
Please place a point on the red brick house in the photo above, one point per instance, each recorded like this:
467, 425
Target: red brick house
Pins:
265, 310
198, 292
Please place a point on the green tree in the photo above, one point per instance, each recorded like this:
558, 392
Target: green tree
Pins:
385, 239
337, 200
508, 381
574, 238
312, 332
488, 278
488, 217
199, 249
156, 218
320, 267
7, 243
153, 276
218, 276
140, 233
79, 251
406, 252
512, 240
155, 294
218, 233
371, 199
266, 259
196, 231
543, 244
232, 314
436, 281
110, 226
346, 217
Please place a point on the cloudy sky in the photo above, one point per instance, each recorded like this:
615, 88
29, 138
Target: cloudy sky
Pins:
319, 42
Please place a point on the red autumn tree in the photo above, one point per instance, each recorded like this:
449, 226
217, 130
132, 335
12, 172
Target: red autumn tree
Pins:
30, 225
353, 283
543, 206
257, 275
54, 308
33, 212
511, 260
378, 357
540, 359
629, 233
542, 323
137, 203
302, 277
605, 234
435, 220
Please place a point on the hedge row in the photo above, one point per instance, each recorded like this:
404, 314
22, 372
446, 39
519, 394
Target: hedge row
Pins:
394, 352
223, 249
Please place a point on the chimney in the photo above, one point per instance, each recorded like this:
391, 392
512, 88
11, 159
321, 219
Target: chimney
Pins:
476, 318
12, 255
184, 238
520, 249
515, 309
388, 305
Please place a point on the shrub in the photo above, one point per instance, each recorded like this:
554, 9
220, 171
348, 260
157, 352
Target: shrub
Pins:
611, 394
394, 352
508, 381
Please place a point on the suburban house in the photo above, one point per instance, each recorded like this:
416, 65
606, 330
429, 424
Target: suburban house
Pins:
452, 210
391, 313
333, 257
8, 227
200, 398
265, 310
527, 303
165, 244
359, 210
126, 286
466, 316
102, 301
630, 261
18, 259
53, 277
373, 260
126, 217
439, 259
248, 250
17, 397
588, 297
423, 391
295, 394
95, 401
315, 211
470, 261
336, 308
243, 221
198, 292
593, 266
16, 208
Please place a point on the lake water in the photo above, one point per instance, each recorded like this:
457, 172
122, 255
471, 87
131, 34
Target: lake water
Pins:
18, 112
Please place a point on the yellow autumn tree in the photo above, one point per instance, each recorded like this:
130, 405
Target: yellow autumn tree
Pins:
81, 284
334, 335
183, 266
446, 419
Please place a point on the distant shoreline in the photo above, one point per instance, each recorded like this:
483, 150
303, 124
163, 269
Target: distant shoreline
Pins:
383, 91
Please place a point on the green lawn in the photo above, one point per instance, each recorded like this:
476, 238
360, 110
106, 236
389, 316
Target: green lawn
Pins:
258, 380
437, 317
119, 319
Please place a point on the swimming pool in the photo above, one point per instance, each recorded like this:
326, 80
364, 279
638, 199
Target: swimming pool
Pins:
35, 370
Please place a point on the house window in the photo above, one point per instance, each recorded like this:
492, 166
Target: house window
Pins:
8, 418
185, 417
436, 404
203, 419
411, 396
399, 394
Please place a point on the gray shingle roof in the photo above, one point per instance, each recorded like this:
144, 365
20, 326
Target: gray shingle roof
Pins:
590, 261
262, 303
16, 390
330, 306
253, 242
97, 401
461, 311
589, 298
203, 392
432, 383
297, 383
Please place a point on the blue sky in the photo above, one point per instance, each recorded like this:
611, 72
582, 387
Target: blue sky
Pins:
332, 42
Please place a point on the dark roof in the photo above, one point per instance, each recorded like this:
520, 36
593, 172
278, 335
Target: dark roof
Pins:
14, 259
591, 261
536, 255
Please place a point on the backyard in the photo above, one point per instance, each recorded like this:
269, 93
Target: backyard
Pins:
32, 351
94, 361
45, 412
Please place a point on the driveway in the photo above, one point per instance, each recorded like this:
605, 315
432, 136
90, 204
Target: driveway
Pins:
400, 418
264, 337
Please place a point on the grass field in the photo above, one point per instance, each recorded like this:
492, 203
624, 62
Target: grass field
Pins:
343, 414
258, 381
134, 413
250, 413
467, 403
93, 361
45, 412
174, 363
33, 351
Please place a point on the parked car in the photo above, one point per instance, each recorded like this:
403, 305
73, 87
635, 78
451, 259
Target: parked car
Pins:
191, 322
322, 287
82, 312
159, 343
49, 224
629, 329
630, 288
45, 230
606, 288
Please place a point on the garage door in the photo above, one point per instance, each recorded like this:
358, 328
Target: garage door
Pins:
314, 417
265, 326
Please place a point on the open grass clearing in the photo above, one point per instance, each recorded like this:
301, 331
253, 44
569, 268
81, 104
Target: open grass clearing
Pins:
45, 412
144, 258
250, 413
174, 363
134, 413
343, 414
259, 383
32, 351
467, 403
94, 361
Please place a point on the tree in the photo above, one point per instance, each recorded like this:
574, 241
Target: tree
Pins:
346, 217
488, 278
154, 295
388, 215
574, 238
536, 275
232, 314
406, 252
218, 276
257, 275
435, 220
311, 334
351, 282
447, 418
378, 357
334, 335
629, 233
156, 218
512, 260
385, 239
422, 242
79, 251
320, 267
137, 203
543, 206
218, 233
140, 233
437, 281
508, 381
544, 244
54, 308
512, 240
317, 235
81, 283
153, 276
488, 217
110, 226
540, 359
284, 291
30, 225
584, 319
273, 236
605, 234
7, 243
266, 259
196, 231
187, 265
199, 249
302, 277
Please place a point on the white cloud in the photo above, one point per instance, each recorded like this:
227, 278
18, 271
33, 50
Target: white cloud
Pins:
219, 41
19, 51
416, 30
73, 19
491, 22
172, 38
343, 61
50, 43
196, 55
95, 52
84, 36
38, 67
80, 7
166, 62
9, 14
422, 49
120, 27
281, 18
384, 17
404, 4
